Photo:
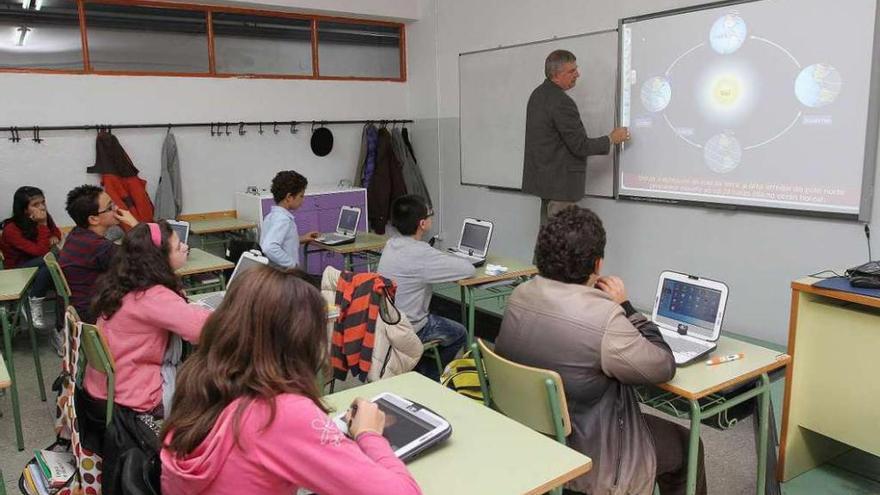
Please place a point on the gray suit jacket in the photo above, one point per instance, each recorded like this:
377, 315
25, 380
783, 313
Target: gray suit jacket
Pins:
557, 146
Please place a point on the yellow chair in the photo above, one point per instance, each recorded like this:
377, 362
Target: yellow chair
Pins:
98, 356
534, 397
62, 288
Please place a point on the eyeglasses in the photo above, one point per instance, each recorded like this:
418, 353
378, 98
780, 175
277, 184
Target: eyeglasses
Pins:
110, 207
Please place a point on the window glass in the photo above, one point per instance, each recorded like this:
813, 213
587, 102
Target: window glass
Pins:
134, 38
40, 34
249, 44
358, 50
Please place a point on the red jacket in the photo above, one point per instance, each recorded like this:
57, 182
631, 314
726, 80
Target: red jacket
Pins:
119, 178
17, 248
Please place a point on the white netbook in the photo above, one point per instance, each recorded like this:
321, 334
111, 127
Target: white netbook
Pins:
473, 244
248, 260
410, 428
689, 310
346, 227
182, 229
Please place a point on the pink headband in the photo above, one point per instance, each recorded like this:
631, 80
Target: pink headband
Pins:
155, 234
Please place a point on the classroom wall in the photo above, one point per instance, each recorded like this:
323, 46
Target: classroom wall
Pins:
756, 254
212, 168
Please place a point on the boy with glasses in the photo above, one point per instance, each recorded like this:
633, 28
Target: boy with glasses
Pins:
415, 266
87, 252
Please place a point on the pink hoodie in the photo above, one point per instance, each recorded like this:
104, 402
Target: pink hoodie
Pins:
301, 448
137, 335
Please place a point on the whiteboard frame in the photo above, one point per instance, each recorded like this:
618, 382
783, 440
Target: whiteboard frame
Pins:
616, 117
872, 128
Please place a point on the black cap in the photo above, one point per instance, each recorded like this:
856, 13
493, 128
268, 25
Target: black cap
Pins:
322, 141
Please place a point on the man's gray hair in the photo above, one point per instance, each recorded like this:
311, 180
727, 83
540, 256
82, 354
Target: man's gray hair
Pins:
556, 60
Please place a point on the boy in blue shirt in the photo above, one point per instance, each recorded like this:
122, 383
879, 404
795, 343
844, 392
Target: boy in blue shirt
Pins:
279, 237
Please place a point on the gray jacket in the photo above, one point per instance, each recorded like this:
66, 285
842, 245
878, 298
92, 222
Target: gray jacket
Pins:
557, 146
168, 200
582, 334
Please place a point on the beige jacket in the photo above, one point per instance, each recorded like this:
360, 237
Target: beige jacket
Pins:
599, 352
396, 348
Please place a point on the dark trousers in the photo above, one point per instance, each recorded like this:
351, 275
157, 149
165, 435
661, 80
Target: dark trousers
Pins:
671, 449
671, 446
42, 279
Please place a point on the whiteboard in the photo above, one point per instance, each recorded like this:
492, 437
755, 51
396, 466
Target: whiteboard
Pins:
494, 87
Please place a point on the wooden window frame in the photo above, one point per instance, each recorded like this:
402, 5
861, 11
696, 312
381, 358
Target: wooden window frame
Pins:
209, 32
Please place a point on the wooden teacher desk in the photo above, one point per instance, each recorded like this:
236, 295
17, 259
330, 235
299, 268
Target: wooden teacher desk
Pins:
832, 393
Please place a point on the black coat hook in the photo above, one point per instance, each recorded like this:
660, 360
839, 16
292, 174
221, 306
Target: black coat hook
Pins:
12, 135
212, 129
37, 139
293, 129
274, 127
227, 129
241, 129
260, 125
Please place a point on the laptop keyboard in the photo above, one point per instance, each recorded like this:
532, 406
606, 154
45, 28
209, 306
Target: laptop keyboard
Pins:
332, 238
684, 349
213, 301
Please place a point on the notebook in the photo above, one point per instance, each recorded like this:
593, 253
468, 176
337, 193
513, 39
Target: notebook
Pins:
346, 227
248, 260
473, 243
689, 311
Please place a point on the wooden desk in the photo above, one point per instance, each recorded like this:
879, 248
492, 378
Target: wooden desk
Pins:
365, 243
469, 286
200, 261
697, 381
487, 453
14, 285
832, 396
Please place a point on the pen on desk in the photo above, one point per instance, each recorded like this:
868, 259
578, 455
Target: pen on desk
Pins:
723, 359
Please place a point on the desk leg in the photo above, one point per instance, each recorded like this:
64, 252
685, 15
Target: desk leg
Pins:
471, 317
34, 348
222, 281
347, 262
693, 448
763, 432
10, 365
463, 301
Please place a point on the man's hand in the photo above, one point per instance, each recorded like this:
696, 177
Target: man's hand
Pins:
125, 216
311, 236
619, 135
613, 286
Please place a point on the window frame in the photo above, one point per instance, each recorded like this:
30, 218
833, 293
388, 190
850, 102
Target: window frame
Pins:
209, 11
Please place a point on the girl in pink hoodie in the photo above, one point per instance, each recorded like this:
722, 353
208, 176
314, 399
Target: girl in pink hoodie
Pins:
247, 414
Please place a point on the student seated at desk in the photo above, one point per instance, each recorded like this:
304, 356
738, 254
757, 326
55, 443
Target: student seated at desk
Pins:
27, 236
248, 416
87, 253
415, 266
140, 303
279, 236
571, 320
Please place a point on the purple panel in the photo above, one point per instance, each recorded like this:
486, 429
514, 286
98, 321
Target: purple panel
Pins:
306, 221
266, 204
327, 220
311, 203
333, 259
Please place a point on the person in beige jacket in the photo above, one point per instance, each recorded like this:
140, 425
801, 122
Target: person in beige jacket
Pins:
572, 320
396, 348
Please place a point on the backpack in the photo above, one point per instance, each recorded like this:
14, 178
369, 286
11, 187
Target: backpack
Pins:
461, 376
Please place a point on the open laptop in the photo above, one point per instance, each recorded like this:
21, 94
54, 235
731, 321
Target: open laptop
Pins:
248, 260
182, 229
473, 244
689, 310
346, 227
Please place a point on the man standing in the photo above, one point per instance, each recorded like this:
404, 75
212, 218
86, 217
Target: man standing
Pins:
557, 146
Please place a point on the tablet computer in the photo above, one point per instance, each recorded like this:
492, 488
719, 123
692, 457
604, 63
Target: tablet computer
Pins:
410, 428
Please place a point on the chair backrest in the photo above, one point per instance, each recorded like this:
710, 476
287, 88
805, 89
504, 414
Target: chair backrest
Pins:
96, 350
532, 396
58, 278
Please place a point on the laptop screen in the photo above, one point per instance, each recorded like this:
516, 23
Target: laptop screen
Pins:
474, 237
244, 264
182, 231
694, 305
401, 427
347, 220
